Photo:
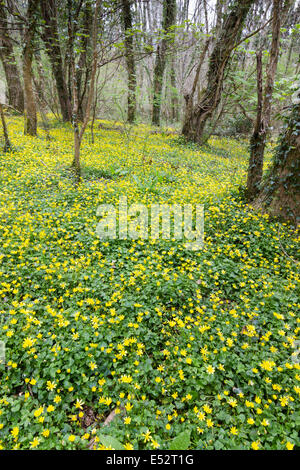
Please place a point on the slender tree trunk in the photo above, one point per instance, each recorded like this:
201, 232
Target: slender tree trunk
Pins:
169, 18
255, 168
40, 84
50, 37
194, 125
79, 132
259, 136
83, 70
7, 145
280, 192
189, 97
14, 86
130, 62
30, 125
219, 11
174, 94
289, 55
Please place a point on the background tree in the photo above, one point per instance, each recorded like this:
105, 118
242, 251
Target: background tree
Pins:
261, 129
7, 55
193, 127
30, 123
280, 192
169, 18
130, 60
84, 65
50, 36
79, 131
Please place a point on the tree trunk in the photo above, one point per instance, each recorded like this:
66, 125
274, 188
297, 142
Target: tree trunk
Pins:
194, 125
259, 136
189, 97
78, 133
30, 125
83, 72
255, 168
14, 86
130, 63
174, 94
280, 193
169, 18
51, 39
7, 144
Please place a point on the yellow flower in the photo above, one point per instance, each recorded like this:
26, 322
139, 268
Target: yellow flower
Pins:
147, 436
79, 404
207, 409
289, 446
232, 402
39, 411
50, 385
128, 406
210, 370
34, 443
128, 446
155, 444
255, 445
15, 432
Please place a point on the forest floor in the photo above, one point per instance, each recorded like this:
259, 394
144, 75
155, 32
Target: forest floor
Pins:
142, 344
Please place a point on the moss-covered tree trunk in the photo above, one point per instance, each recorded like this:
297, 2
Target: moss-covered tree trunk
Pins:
50, 37
7, 144
30, 124
195, 121
174, 93
280, 192
130, 62
261, 129
169, 18
84, 66
14, 86
79, 132
255, 167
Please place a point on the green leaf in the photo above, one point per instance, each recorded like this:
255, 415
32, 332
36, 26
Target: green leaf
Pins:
181, 442
108, 441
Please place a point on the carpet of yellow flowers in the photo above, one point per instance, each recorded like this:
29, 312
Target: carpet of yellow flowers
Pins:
142, 344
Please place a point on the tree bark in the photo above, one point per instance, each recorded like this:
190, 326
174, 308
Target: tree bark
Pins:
280, 193
79, 132
259, 136
174, 93
194, 125
255, 168
189, 97
50, 37
14, 86
130, 62
169, 18
83, 72
30, 125
7, 144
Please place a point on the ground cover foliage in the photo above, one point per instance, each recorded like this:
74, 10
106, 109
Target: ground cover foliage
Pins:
142, 344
